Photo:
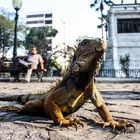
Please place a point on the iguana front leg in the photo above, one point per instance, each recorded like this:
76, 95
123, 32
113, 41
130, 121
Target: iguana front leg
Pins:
58, 118
104, 112
56, 103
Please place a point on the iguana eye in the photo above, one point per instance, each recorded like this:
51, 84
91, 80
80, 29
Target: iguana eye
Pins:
84, 42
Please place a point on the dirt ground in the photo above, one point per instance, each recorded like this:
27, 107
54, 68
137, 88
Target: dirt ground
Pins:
122, 99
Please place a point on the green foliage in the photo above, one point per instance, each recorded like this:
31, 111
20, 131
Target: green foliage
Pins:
125, 62
6, 31
7, 25
99, 6
53, 63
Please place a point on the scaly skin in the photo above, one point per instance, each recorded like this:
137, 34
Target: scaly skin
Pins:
77, 86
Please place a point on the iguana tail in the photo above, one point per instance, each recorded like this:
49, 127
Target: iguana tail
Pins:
23, 99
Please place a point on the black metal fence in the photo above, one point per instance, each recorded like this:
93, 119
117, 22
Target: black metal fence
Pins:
131, 73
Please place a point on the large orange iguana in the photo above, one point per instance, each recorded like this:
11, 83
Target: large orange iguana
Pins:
77, 86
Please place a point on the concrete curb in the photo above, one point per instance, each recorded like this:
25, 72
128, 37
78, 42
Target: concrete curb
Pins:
117, 80
98, 80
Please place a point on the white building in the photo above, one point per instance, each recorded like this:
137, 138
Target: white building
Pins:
124, 35
40, 19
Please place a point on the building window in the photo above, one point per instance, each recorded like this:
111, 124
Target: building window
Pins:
34, 16
48, 21
128, 25
48, 15
35, 22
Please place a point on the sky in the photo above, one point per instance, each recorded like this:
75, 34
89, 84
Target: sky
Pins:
72, 18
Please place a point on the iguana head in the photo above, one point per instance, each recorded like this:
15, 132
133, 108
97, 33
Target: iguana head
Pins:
88, 55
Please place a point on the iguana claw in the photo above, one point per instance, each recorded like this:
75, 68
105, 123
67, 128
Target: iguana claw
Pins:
77, 121
73, 122
119, 125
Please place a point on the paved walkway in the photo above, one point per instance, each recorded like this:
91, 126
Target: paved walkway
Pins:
122, 99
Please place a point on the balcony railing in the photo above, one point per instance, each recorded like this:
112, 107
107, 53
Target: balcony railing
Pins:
131, 73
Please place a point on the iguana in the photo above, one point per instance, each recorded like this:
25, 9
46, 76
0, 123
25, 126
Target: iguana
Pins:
77, 86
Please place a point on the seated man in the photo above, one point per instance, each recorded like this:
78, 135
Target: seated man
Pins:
34, 59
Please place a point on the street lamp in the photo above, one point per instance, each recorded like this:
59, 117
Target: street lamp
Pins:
17, 5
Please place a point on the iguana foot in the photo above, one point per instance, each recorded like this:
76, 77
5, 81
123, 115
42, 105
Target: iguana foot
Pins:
121, 125
72, 122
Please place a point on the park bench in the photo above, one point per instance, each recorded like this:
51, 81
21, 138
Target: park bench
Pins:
7, 66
